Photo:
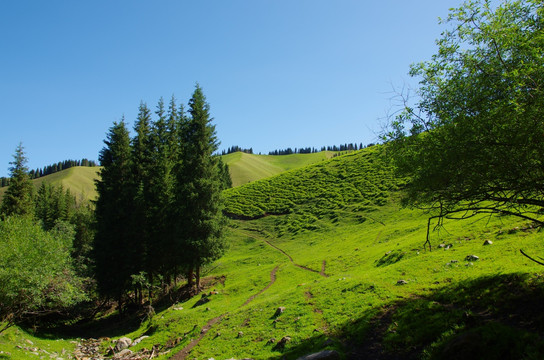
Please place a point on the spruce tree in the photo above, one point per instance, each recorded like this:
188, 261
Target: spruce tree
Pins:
17, 199
114, 213
162, 141
198, 190
143, 167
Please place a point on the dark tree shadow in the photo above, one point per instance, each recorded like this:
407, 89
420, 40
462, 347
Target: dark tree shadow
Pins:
491, 317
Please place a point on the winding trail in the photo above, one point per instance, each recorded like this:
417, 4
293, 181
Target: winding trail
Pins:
272, 281
182, 355
322, 272
187, 349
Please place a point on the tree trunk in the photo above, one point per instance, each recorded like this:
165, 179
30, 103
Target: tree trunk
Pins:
150, 289
198, 278
190, 274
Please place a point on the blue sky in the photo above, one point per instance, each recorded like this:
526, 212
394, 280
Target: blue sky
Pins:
277, 73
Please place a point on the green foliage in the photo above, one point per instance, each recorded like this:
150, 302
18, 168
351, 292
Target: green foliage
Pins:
36, 274
473, 140
17, 199
53, 204
224, 173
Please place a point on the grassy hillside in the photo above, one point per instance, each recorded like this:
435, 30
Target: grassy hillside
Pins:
245, 168
79, 179
348, 266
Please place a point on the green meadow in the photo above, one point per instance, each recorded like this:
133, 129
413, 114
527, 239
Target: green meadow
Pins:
245, 168
330, 244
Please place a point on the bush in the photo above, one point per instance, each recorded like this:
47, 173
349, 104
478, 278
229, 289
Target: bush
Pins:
36, 274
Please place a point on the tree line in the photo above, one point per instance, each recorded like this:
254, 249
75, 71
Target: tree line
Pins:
311, 150
236, 148
51, 169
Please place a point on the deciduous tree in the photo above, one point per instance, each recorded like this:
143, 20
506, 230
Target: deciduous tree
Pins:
474, 141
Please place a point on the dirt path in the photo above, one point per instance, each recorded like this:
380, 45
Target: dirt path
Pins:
272, 281
182, 355
322, 273
187, 349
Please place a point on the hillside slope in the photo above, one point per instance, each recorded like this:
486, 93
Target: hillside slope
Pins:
245, 168
79, 179
347, 268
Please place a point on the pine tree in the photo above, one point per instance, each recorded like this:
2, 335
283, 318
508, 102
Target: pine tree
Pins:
160, 193
198, 190
17, 199
53, 204
114, 213
143, 167
224, 174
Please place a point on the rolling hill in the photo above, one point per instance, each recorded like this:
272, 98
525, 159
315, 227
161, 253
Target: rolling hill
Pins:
79, 179
324, 258
245, 168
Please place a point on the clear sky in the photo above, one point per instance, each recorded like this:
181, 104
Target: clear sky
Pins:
277, 73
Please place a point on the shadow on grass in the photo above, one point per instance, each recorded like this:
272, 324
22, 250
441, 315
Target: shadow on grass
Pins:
492, 317
114, 324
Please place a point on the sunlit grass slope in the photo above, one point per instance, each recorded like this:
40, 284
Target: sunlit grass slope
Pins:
79, 179
245, 168
353, 275
359, 180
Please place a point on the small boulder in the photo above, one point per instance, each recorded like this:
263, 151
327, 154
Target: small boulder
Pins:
285, 340
203, 300
279, 311
122, 344
402, 282
281, 344
488, 242
138, 340
123, 353
471, 258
